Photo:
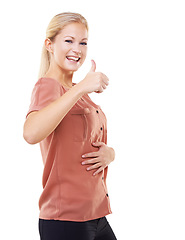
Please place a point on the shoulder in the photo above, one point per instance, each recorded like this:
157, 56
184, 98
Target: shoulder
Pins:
48, 83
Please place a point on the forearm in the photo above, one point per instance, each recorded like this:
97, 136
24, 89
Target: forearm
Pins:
40, 124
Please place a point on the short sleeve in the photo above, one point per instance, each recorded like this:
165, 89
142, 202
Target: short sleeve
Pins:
45, 91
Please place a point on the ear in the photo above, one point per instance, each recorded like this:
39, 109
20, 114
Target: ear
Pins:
48, 45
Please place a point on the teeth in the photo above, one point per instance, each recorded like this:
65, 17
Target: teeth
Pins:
73, 58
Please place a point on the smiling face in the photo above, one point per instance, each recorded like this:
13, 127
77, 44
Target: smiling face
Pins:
69, 48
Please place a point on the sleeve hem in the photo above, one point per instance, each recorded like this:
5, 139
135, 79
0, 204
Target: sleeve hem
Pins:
33, 109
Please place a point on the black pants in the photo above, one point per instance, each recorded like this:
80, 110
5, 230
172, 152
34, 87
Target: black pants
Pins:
96, 229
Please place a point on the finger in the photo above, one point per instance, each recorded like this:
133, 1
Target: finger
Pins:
104, 85
100, 89
98, 144
106, 80
91, 154
93, 67
98, 171
97, 165
91, 161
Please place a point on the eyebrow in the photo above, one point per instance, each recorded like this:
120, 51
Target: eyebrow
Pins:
73, 37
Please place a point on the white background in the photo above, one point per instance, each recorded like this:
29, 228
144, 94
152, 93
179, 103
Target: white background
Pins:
140, 46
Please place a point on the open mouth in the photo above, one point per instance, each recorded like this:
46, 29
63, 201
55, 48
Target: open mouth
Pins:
73, 59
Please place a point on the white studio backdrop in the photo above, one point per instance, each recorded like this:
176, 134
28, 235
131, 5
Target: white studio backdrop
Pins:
140, 46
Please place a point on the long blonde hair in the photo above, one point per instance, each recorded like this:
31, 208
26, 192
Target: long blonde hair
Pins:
57, 23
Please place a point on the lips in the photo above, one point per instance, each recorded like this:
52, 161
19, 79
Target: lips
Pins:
73, 58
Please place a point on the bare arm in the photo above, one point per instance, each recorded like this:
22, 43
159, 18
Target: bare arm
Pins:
39, 124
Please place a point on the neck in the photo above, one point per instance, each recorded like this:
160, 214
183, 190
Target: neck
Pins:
64, 77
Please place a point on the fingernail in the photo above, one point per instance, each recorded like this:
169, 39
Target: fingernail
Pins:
83, 163
83, 155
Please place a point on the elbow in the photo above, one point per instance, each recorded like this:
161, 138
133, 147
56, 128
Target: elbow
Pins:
30, 131
29, 137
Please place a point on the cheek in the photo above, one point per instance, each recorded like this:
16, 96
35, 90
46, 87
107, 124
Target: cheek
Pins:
60, 52
84, 52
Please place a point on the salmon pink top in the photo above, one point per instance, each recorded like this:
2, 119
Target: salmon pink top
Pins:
70, 192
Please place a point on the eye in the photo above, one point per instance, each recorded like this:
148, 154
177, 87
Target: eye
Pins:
68, 41
83, 43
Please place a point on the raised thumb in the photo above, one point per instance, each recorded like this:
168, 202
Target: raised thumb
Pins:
93, 67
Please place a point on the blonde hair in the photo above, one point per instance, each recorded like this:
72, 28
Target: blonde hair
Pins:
57, 23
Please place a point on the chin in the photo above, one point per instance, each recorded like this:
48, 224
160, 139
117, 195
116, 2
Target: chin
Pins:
72, 69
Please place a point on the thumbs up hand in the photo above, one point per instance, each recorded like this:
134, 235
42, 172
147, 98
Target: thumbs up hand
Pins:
94, 81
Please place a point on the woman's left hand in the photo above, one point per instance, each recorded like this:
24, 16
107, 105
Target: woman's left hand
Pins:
100, 159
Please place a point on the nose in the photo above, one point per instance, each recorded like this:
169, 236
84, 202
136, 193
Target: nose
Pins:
77, 51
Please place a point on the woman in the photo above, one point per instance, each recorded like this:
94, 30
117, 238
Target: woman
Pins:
72, 132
